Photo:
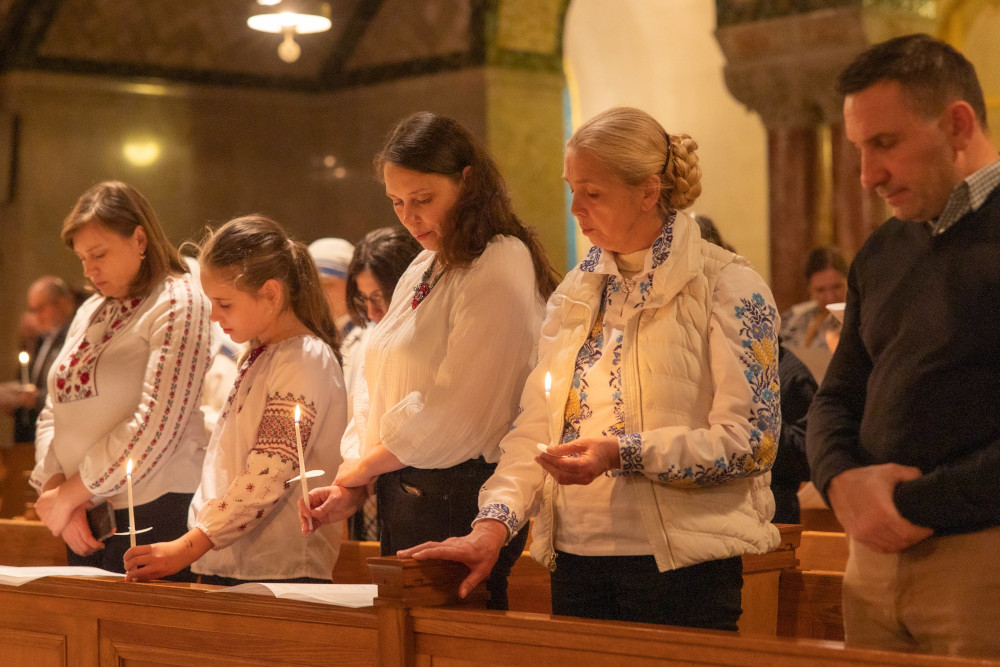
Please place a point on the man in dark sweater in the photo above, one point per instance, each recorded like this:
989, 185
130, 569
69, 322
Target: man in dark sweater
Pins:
904, 434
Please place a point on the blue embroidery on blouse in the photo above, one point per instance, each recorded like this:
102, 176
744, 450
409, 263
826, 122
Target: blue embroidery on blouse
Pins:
502, 513
661, 246
589, 262
760, 359
630, 450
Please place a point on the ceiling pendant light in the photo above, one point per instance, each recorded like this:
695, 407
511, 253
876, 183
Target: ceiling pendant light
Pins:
289, 18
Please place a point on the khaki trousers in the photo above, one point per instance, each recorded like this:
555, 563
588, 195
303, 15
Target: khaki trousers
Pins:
942, 596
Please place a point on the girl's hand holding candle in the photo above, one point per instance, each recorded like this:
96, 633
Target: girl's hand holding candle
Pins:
302, 463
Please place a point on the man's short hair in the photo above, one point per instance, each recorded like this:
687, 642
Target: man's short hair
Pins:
55, 289
933, 74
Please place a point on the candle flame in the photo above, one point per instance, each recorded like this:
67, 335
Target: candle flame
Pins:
297, 412
128, 469
548, 382
23, 357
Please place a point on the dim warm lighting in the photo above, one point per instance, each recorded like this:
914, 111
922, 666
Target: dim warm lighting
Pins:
141, 153
290, 18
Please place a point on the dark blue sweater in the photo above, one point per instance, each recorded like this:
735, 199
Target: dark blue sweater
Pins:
915, 379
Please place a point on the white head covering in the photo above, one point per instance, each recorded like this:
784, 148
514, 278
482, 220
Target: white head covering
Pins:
332, 256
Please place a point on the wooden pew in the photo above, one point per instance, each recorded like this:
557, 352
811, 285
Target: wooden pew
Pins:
25, 543
415, 621
822, 551
529, 588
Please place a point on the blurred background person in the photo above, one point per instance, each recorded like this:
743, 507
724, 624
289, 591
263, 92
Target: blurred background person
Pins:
379, 261
126, 384
332, 256
808, 328
51, 304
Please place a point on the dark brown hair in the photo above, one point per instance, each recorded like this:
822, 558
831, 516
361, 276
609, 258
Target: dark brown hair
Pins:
120, 208
433, 144
825, 257
255, 249
385, 253
931, 72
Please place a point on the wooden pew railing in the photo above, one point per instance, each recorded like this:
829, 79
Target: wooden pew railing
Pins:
777, 599
68, 621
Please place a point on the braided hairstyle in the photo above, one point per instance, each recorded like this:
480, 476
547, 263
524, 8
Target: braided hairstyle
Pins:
633, 146
254, 249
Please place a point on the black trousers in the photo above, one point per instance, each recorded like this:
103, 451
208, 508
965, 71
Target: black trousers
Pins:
168, 517
417, 505
630, 588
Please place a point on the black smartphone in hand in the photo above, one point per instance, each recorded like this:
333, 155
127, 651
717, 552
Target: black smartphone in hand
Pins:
101, 519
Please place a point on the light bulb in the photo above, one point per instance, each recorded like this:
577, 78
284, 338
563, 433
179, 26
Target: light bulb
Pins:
289, 50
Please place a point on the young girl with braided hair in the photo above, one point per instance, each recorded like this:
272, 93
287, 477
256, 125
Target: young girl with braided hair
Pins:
243, 519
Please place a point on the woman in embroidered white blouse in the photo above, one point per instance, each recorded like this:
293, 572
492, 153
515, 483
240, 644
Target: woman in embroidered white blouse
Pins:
444, 367
126, 385
646, 463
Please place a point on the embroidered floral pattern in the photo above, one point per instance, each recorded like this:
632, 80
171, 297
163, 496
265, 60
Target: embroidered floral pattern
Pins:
502, 513
271, 462
176, 384
590, 262
760, 358
577, 406
630, 451
244, 369
661, 246
276, 433
75, 378
425, 286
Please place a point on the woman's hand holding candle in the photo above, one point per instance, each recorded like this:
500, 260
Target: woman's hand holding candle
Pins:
581, 461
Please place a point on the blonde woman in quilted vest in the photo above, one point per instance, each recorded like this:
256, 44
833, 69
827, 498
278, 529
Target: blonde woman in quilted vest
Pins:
651, 479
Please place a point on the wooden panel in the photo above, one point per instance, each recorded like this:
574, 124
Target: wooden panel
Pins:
448, 637
29, 543
38, 649
823, 551
810, 605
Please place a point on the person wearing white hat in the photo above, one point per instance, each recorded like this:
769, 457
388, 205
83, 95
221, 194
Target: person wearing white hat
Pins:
332, 256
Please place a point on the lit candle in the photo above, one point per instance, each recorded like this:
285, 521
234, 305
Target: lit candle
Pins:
131, 505
302, 463
23, 358
548, 389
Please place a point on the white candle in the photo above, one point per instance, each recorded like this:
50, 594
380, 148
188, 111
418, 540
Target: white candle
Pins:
548, 389
131, 504
23, 358
302, 463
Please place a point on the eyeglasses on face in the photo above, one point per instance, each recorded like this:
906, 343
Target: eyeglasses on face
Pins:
375, 299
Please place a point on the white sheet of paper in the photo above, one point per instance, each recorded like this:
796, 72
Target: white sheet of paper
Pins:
15, 576
342, 595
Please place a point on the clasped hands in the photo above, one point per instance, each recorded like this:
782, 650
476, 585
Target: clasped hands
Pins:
862, 500
62, 507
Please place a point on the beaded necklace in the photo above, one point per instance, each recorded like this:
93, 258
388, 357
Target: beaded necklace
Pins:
421, 291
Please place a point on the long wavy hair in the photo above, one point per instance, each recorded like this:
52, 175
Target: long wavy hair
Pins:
433, 144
